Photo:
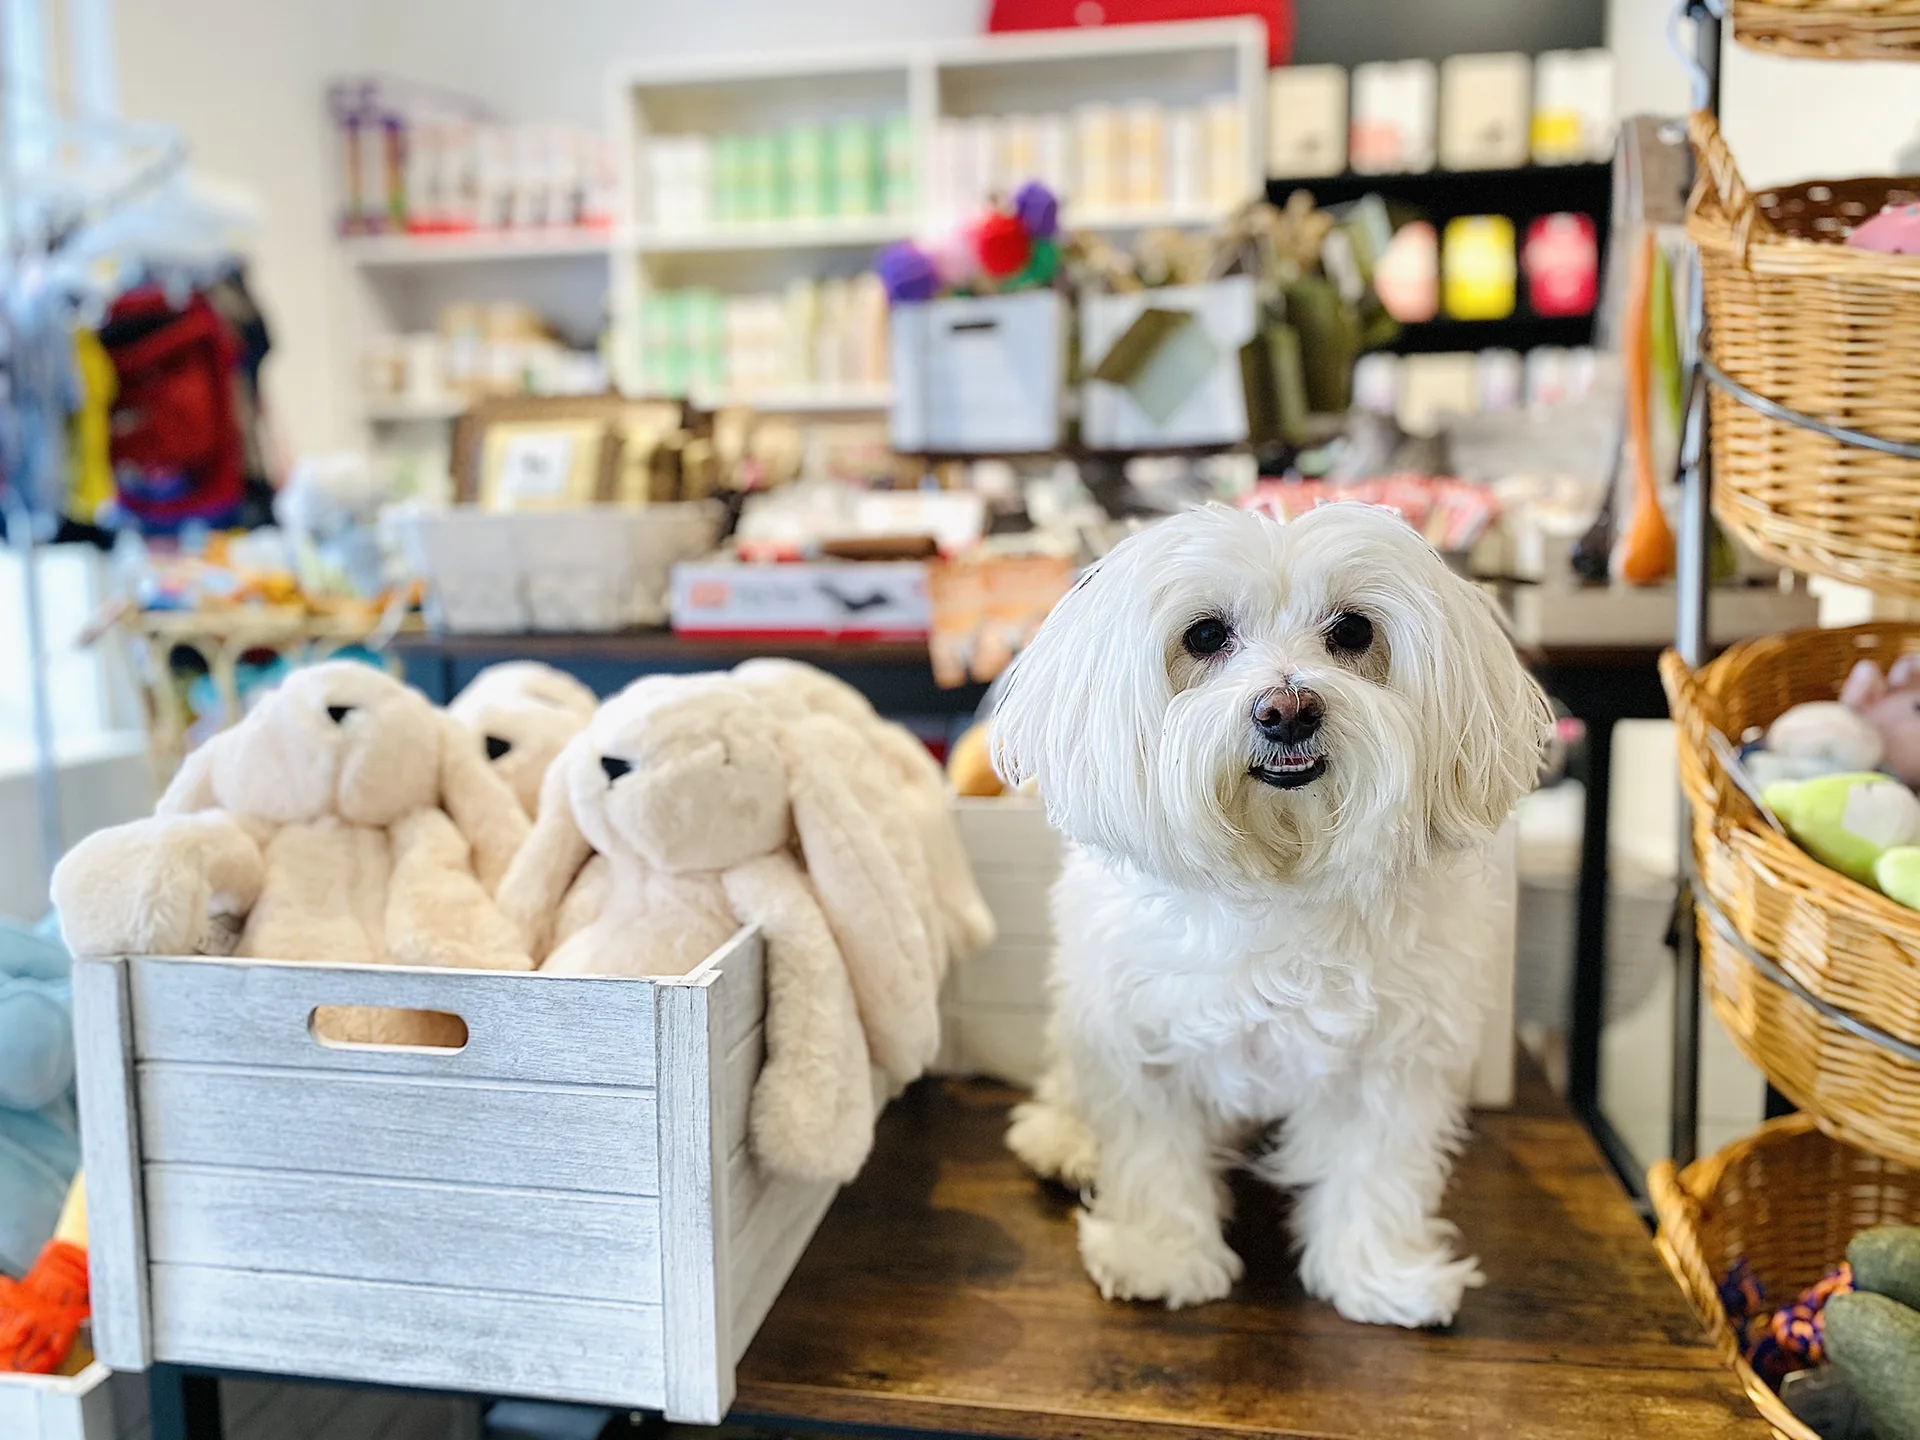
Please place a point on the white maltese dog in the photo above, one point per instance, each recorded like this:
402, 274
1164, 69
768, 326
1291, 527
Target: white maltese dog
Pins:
1278, 752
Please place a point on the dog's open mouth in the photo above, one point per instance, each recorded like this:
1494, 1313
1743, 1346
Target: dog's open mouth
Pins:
1290, 772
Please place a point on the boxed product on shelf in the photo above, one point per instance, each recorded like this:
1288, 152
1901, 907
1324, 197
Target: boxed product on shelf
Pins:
854, 167
1164, 366
1573, 117
817, 336
1307, 120
1393, 117
1485, 106
825, 599
424, 161
979, 374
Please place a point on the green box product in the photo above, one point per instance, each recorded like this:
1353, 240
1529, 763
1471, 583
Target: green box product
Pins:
727, 178
809, 196
760, 194
896, 156
855, 169
706, 339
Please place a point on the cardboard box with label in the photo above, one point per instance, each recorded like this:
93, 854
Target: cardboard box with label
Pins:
845, 600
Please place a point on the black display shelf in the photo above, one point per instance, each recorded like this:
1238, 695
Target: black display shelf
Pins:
1442, 194
1522, 195
1516, 332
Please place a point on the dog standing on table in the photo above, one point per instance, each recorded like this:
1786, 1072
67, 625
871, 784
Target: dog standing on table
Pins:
1278, 752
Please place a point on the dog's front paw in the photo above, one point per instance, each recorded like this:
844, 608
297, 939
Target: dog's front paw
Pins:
1411, 1288
1052, 1142
1130, 1262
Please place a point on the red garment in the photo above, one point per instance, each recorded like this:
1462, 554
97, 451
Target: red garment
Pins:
1077, 14
177, 449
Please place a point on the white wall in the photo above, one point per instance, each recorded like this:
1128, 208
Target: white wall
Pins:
1785, 119
244, 80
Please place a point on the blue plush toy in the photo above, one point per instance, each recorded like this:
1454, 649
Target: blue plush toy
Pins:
39, 1133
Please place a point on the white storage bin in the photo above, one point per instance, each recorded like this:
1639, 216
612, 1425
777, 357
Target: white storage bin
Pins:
980, 375
587, 569
53, 1407
1215, 412
566, 1207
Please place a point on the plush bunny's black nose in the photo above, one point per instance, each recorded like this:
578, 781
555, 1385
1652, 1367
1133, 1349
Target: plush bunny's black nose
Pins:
339, 713
496, 747
614, 768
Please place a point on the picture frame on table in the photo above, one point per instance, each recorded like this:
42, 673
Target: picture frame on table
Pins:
532, 452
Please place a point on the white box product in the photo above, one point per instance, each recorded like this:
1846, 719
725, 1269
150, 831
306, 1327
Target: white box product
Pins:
593, 568
878, 600
565, 1208
55, 1407
981, 375
1393, 117
1486, 105
1214, 413
1307, 120
1573, 112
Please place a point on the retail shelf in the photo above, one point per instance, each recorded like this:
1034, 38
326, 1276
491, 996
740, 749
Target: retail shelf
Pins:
1516, 332
856, 233
809, 400
391, 251
401, 411
1443, 194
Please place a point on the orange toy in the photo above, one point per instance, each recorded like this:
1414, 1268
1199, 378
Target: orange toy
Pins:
1645, 554
40, 1316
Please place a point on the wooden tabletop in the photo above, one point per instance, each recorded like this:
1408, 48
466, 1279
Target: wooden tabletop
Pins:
944, 1293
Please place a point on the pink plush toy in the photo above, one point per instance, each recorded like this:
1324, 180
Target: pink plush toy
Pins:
1891, 703
1894, 231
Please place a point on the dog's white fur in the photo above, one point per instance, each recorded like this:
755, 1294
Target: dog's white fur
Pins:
1233, 955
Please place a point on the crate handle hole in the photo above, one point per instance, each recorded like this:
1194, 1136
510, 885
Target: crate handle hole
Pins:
371, 1027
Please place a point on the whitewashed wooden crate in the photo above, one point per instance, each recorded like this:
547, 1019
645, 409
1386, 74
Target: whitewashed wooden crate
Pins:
565, 1207
994, 1006
52, 1407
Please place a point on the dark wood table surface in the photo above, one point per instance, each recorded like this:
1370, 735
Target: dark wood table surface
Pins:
944, 1293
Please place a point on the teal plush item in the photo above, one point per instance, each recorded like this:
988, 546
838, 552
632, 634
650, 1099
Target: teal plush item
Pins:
39, 1131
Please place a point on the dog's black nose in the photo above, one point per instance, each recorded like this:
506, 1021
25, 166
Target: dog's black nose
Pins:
496, 747
339, 713
614, 768
1288, 716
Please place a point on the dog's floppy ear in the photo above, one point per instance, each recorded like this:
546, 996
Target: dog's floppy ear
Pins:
865, 898
1494, 714
480, 803
191, 788
546, 864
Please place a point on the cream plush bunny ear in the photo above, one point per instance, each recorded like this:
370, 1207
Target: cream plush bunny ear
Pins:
480, 803
191, 788
866, 900
535, 883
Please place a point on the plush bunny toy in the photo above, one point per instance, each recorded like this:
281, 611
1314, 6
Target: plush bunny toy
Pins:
692, 791
907, 782
1891, 702
524, 713
344, 819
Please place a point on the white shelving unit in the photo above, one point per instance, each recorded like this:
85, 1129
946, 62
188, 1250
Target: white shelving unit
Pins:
577, 277
1182, 63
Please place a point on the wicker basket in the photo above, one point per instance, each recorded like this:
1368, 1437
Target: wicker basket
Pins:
1843, 954
1786, 1199
1825, 330
1830, 29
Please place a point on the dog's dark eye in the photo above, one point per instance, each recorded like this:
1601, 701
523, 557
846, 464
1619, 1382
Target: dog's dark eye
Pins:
1349, 634
1206, 637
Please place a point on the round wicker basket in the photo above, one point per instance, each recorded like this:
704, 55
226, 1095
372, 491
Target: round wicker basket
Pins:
1827, 331
1816, 976
1786, 1199
1830, 29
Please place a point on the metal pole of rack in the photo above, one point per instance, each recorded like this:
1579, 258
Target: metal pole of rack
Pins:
1691, 638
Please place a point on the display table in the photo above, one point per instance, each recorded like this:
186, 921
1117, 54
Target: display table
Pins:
944, 1294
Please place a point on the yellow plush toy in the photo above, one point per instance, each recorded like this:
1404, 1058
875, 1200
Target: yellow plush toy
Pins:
1865, 825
